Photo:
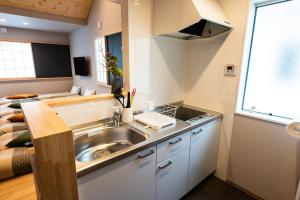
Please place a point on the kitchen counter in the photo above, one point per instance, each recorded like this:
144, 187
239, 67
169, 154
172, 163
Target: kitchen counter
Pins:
155, 137
49, 130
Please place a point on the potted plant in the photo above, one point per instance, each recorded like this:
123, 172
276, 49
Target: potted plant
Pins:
112, 67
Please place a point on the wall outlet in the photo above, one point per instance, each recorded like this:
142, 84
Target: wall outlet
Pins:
230, 70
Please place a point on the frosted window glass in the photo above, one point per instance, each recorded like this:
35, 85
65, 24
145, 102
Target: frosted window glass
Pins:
273, 79
100, 60
16, 60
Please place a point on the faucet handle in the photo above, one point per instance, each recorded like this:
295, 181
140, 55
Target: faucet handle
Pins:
116, 109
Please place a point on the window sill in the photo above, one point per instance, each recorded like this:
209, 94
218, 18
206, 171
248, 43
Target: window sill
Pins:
263, 117
103, 84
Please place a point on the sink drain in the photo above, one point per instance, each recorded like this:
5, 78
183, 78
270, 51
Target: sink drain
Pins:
102, 150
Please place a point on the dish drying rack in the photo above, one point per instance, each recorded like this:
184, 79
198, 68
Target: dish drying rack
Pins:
169, 110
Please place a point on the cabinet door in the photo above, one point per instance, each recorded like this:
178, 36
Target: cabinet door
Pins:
203, 152
132, 178
172, 176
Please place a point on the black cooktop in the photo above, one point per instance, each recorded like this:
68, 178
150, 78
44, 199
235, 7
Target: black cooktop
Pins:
187, 114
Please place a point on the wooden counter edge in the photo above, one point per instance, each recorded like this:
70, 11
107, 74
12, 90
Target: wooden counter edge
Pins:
42, 121
49, 131
77, 99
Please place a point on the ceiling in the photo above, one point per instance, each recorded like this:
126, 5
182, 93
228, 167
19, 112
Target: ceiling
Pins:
76, 9
11, 20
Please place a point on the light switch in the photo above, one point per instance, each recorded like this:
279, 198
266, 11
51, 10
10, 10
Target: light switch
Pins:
230, 70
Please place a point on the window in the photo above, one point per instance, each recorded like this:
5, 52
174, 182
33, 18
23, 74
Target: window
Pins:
109, 43
272, 78
100, 60
16, 60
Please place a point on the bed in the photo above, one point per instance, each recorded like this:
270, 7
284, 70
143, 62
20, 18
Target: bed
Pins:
15, 155
4, 100
15, 142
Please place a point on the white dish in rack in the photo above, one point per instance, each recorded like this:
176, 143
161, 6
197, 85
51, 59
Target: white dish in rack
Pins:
155, 120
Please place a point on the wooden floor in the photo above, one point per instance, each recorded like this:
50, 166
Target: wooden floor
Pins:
19, 188
214, 188
22, 188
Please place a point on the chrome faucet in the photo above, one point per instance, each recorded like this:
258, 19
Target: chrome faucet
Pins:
116, 116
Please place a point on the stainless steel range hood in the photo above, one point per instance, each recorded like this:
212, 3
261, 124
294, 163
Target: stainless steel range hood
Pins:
189, 19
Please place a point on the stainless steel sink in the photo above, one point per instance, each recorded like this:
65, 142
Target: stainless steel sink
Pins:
98, 141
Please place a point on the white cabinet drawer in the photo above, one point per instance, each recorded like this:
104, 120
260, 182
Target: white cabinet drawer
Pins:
172, 176
172, 146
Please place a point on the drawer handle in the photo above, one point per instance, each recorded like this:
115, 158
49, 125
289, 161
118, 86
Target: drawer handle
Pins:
175, 142
195, 133
146, 154
166, 165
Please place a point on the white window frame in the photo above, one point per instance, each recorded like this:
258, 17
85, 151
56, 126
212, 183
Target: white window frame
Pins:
244, 71
101, 72
20, 77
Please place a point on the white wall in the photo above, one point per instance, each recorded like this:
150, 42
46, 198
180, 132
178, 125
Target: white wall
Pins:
205, 83
35, 86
156, 65
207, 87
38, 86
264, 159
28, 35
82, 40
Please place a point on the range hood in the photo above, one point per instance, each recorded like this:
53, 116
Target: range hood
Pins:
189, 19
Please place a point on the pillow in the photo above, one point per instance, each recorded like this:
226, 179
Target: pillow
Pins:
75, 90
8, 111
22, 140
12, 127
22, 96
16, 118
56, 95
17, 104
8, 137
3, 120
88, 92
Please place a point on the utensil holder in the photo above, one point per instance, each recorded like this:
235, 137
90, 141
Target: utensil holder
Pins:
127, 115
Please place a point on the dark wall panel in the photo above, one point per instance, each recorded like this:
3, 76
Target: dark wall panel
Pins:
51, 60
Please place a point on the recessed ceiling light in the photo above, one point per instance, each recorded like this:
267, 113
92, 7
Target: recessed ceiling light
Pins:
25, 23
2, 20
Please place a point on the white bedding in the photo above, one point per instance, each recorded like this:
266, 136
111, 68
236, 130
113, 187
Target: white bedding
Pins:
56, 95
5, 101
40, 97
